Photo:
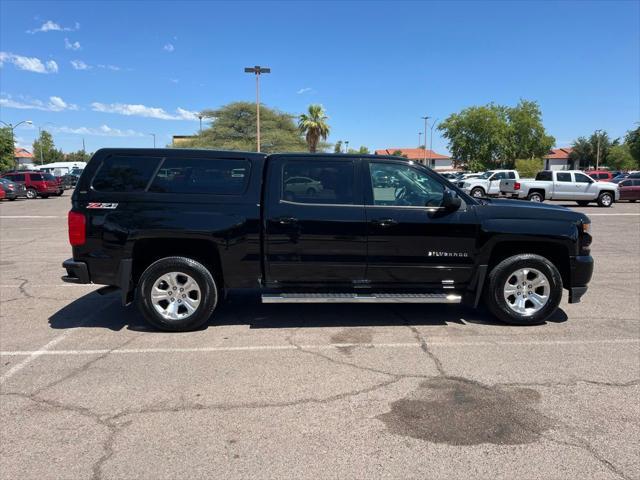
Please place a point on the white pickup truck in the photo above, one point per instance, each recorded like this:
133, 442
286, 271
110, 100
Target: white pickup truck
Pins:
488, 184
562, 185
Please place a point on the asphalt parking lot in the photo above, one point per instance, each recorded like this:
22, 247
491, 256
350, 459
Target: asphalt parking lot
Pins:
295, 391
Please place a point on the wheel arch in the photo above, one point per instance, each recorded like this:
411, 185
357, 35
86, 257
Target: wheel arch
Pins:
148, 250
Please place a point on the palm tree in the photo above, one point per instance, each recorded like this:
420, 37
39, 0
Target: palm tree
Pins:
314, 126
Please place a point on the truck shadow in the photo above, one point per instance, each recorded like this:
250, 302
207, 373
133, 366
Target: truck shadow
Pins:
95, 311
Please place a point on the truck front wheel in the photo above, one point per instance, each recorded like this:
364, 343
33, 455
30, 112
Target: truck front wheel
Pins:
177, 294
477, 192
523, 289
605, 199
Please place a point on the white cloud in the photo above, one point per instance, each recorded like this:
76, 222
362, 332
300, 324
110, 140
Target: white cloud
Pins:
115, 68
174, 80
55, 104
304, 90
169, 47
102, 131
71, 45
143, 111
79, 65
30, 64
50, 26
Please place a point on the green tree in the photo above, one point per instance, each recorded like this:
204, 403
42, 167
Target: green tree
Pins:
234, 128
527, 136
632, 139
79, 156
489, 136
7, 159
44, 150
314, 126
585, 150
398, 153
528, 167
620, 158
362, 150
337, 148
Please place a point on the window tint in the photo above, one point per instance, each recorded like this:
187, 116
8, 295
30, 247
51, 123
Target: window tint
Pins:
563, 177
544, 175
317, 181
512, 175
218, 176
35, 177
18, 177
125, 174
626, 183
48, 176
636, 183
582, 178
401, 185
593, 175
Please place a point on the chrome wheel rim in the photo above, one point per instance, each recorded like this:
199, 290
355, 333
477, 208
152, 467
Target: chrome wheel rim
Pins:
31, 194
536, 198
526, 291
477, 193
175, 296
606, 200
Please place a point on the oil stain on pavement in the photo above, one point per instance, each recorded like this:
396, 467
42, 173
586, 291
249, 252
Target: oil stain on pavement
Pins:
457, 411
351, 336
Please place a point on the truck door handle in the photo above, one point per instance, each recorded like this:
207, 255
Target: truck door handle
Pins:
384, 222
286, 220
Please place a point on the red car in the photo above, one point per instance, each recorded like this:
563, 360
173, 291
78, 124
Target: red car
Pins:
2, 194
630, 189
601, 175
36, 183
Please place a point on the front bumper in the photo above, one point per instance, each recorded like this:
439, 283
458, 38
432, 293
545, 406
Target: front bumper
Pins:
581, 270
77, 272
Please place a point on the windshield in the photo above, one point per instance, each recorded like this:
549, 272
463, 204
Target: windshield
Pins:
486, 175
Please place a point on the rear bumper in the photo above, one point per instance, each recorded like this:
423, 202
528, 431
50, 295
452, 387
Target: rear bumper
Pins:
581, 272
77, 272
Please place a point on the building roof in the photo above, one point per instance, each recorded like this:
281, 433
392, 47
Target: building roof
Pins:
22, 153
414, 153
559, 153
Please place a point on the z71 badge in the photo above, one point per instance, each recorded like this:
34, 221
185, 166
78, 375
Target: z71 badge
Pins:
104, 206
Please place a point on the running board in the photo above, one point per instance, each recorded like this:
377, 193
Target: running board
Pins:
361, 298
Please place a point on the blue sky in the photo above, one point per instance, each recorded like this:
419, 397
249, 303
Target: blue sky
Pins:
114, 72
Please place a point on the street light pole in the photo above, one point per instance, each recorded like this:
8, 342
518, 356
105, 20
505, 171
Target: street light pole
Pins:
154, 139
200, 118
419, 136
13, 136
346, 146
599, 134
431, 140
426, 119
257, 70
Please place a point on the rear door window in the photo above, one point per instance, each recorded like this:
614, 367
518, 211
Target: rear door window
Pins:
544, 175
318, 181
217, 176
125, 173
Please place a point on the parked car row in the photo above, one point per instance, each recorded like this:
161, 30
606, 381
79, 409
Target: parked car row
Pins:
32, 184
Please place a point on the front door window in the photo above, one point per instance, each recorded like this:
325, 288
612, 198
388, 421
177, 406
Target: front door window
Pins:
404, 186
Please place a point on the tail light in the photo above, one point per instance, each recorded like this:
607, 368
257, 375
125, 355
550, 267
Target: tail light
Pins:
516, 186
77, 228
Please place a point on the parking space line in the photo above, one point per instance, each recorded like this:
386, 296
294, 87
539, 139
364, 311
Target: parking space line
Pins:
330, 346
612, 214
32, 356
30, 216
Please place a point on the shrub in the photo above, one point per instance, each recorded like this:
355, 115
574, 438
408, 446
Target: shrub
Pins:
528, 167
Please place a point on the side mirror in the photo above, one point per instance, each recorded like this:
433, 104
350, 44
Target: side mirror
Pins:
450, 200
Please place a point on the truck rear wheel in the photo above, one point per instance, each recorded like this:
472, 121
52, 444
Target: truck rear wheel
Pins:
536, 197
523, 289
605, 199
177, 294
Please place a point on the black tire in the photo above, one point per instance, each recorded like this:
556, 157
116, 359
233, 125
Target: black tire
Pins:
605, 199
12, 199
59, 193
31, 193
46, 195
202, 276
477, 192
500, 274
311, 191
535, 197
582, 203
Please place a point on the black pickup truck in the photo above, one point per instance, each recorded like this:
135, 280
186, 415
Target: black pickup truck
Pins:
176, 229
